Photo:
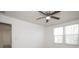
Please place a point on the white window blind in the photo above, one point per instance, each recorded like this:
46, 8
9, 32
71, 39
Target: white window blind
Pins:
71, 34
58, 35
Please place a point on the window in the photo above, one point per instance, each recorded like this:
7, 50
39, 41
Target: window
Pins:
71, 34
58, 35
66, 34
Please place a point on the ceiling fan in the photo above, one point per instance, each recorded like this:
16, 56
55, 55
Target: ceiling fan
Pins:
48, 15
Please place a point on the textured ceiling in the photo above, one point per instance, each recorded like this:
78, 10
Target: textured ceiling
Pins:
31, 16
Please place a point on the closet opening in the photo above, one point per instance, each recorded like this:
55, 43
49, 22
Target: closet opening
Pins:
5, 35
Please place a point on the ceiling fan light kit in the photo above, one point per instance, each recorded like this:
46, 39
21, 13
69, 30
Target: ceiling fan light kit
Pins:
48, 15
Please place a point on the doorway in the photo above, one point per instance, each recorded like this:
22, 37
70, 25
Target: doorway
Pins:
5, 35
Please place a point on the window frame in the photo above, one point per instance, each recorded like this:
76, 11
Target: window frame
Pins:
64, 43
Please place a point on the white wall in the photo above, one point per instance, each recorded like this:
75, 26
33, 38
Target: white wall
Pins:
50, 38
24, 34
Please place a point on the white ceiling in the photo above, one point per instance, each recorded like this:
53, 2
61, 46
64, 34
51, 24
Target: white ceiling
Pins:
31, 16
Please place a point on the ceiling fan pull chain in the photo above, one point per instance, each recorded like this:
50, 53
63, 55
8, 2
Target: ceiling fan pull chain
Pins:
47, 21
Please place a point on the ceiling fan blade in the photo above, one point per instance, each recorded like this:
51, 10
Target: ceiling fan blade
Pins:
55, 17
2, 11
42, 13
55, 12
40, 18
